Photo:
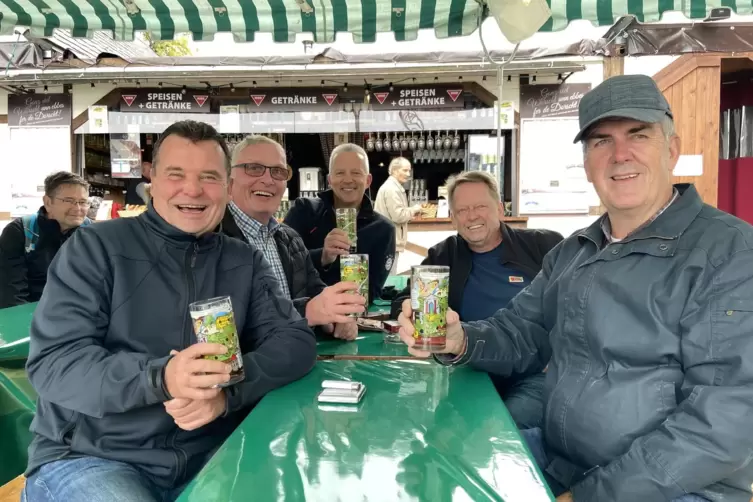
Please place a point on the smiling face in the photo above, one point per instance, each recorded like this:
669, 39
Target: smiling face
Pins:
258, 197
630, 164
476, 216
348, 179
68, 205
190, 184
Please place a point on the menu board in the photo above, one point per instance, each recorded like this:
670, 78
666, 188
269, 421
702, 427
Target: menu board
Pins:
39, 110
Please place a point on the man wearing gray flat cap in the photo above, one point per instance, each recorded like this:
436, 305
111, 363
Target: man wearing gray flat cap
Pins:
645, 319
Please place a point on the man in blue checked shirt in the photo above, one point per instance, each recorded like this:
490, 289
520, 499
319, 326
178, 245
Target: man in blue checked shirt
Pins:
259, 176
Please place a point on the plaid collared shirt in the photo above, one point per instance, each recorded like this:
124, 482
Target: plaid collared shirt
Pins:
606, 226
262, 236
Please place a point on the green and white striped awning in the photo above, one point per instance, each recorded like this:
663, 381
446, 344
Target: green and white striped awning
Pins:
165, 19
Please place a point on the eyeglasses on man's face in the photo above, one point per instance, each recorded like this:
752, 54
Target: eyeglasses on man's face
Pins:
255, 170
73, 202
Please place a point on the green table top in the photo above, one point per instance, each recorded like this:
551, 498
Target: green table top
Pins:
368, 345
423, 432
14, 331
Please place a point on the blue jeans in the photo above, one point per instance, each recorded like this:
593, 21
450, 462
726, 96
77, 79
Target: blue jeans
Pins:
534, 438
93, 479
523, 398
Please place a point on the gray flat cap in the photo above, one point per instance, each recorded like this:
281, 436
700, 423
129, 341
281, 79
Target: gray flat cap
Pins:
635, 97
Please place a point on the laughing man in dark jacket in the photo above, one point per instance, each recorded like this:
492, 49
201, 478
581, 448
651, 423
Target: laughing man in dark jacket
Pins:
259, 175
128, 410
314, 220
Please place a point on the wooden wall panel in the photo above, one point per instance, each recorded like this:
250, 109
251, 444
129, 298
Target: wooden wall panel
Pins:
694, 99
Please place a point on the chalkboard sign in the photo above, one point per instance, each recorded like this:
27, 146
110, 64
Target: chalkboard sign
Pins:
551, 100
39, 110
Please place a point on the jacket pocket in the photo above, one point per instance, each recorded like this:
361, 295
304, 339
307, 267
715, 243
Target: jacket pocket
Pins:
729, 317
667, 396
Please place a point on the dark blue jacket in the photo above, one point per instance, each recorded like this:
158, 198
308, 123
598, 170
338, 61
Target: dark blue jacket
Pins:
115, 305
313, 219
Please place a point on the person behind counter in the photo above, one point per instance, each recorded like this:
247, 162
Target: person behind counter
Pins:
646, 316
260, 174
128, 407
392, 203
491, 262
314, 220
28, 244
137, 189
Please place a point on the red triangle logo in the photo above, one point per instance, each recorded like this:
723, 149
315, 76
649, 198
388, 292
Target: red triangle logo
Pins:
454, 93
329, 98
381, 96
258, 98
201, 99
129, 98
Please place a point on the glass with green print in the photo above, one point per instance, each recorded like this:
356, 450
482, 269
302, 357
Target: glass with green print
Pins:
429, 295
213, 322
355, 268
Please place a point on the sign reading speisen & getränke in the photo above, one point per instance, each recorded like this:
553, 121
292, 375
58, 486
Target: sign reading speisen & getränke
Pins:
418, 98
164, 101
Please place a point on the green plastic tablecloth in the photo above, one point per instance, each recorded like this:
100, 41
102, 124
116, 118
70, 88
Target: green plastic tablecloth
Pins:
423, 432
17, 397
368, 345
14, 331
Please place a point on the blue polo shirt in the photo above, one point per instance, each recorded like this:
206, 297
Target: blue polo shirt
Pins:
490, 286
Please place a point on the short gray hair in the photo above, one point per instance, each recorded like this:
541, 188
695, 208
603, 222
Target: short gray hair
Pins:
454, 181
255, 139
667, 124
397, 163
350, 147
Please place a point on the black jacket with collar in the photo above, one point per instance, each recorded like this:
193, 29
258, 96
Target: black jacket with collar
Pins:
314, 218
115, 304
23, 275
523, 249
304, 282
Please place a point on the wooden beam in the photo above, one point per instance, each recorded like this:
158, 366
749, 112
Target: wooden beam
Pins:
110, 99
613, 66
3, 119
482, 93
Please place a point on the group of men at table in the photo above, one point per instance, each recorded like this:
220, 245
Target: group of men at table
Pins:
625, 353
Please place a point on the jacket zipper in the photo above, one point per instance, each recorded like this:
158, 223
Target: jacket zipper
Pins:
180, 455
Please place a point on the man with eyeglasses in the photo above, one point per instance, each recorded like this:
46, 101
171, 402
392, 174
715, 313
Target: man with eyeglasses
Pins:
314, 219
259, 177
28, 244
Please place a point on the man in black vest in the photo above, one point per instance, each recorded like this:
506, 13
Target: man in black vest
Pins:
259, 176
28, 244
